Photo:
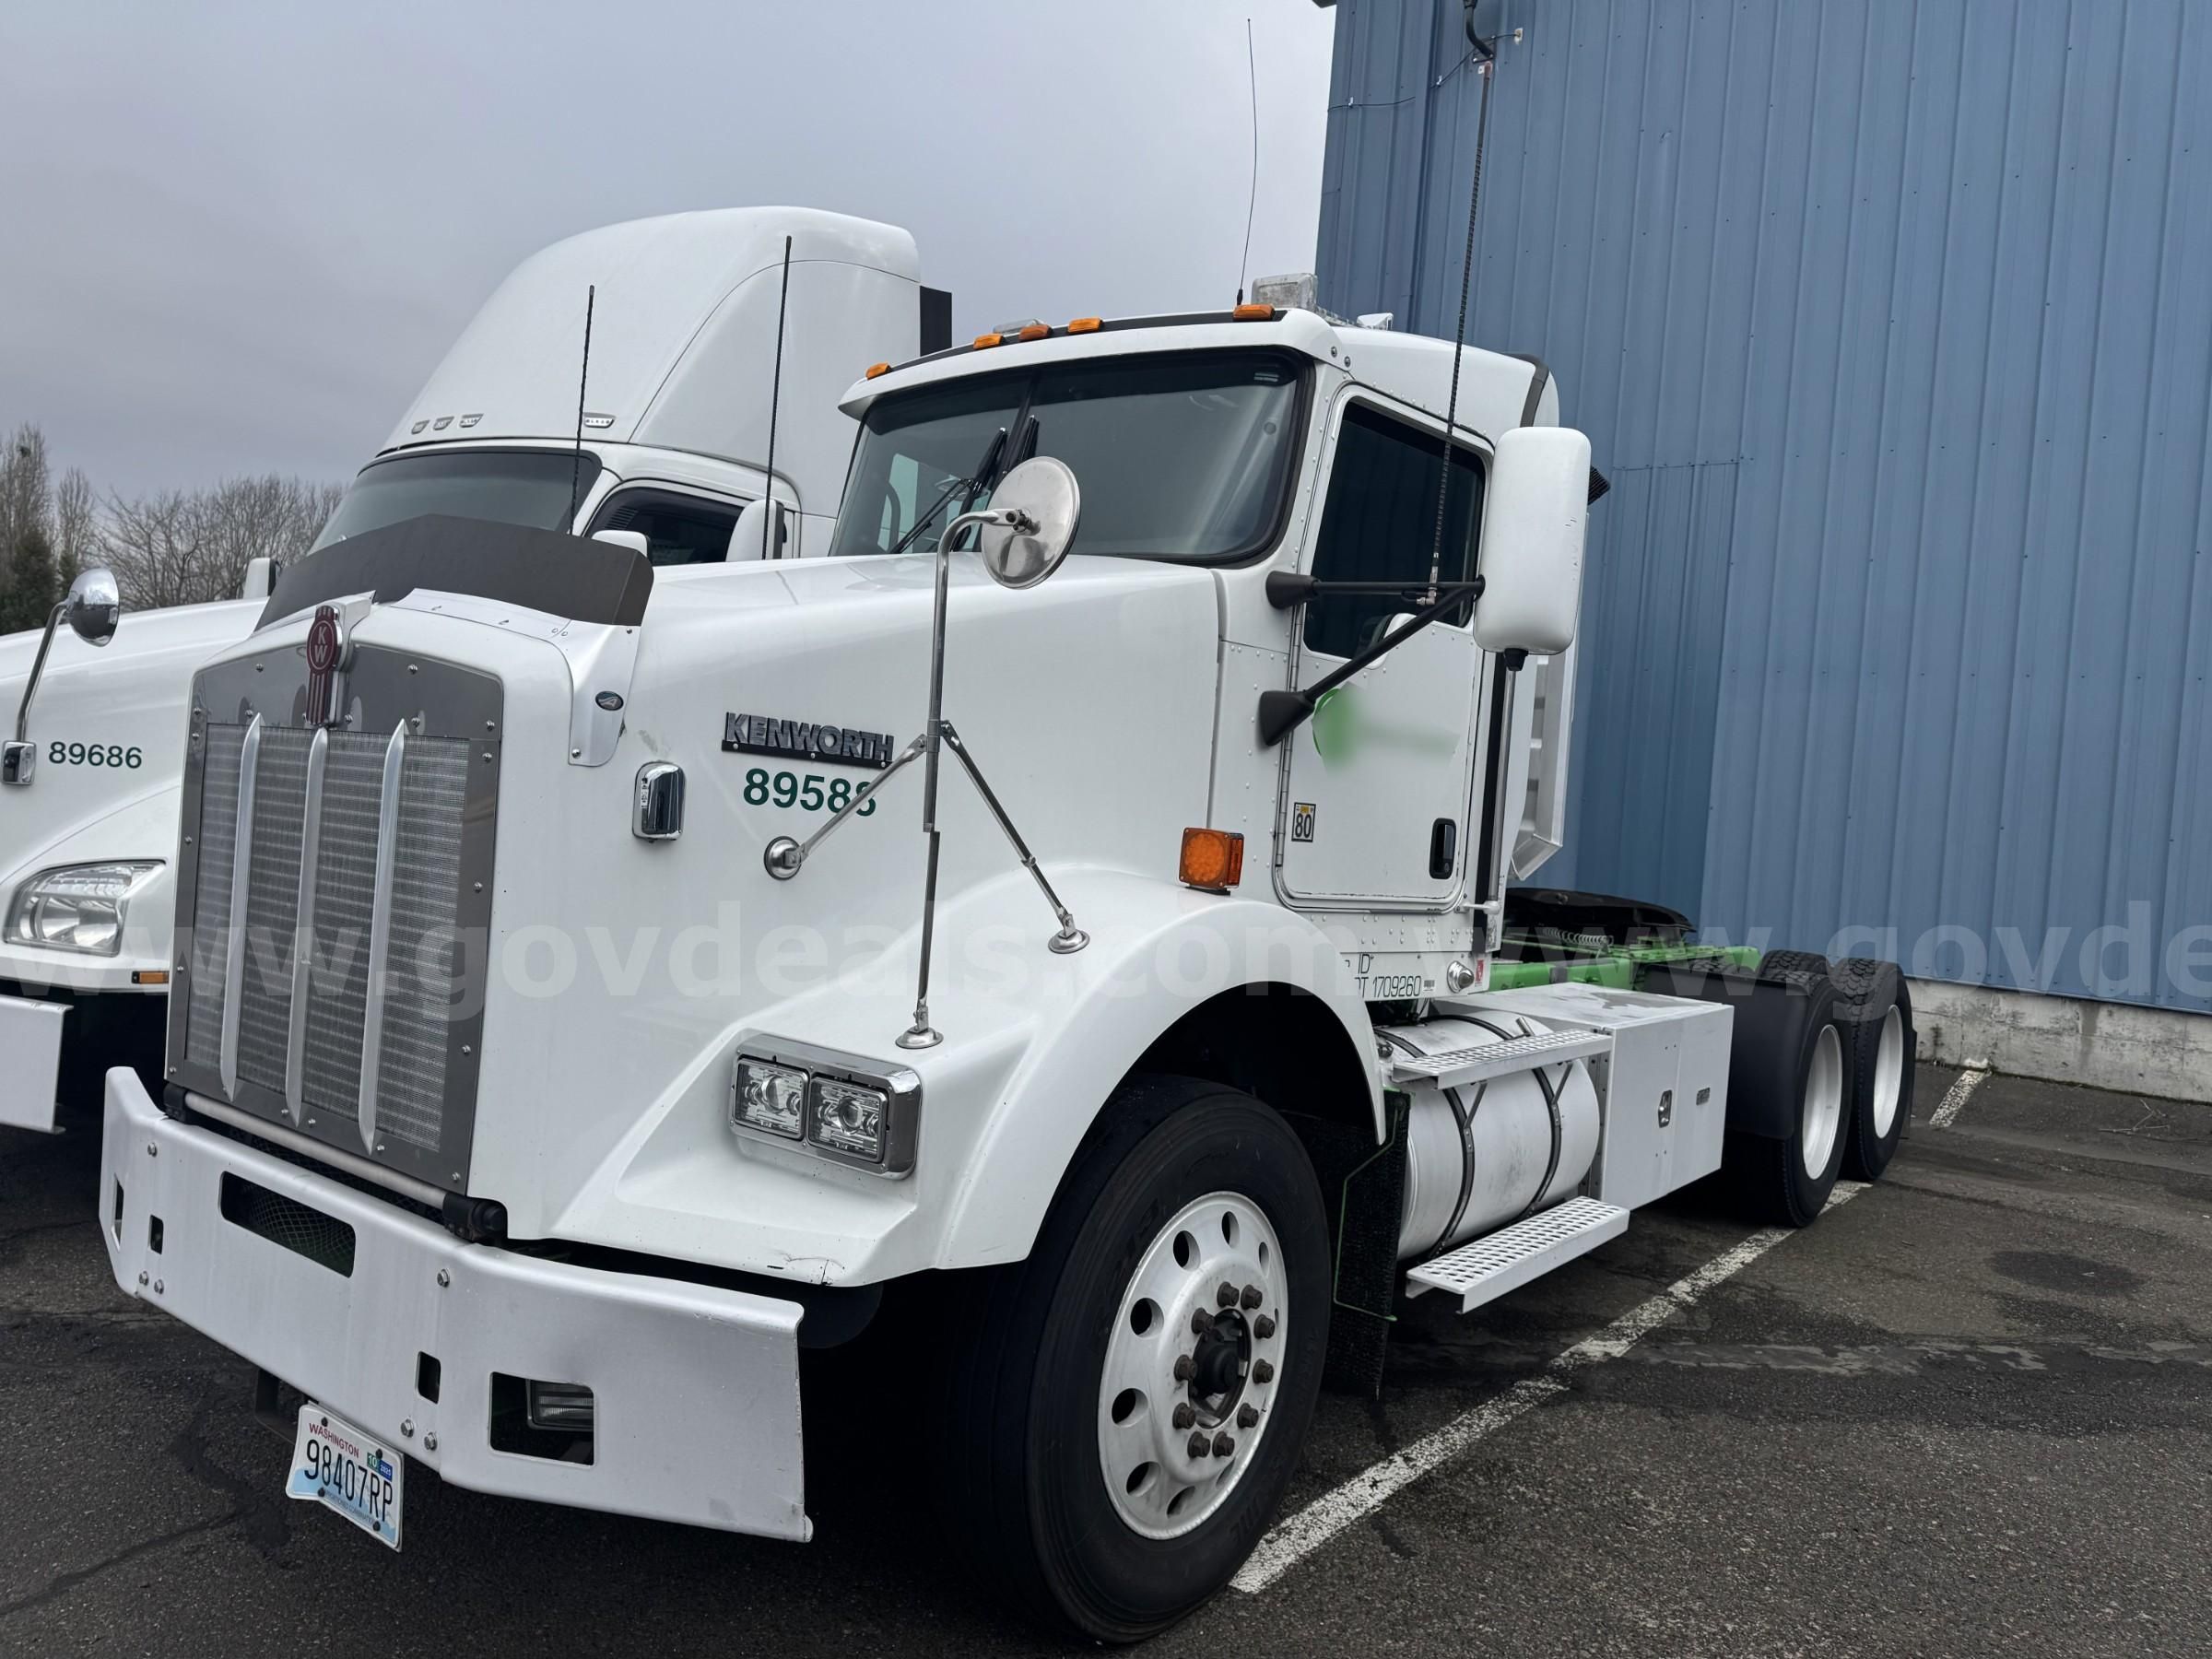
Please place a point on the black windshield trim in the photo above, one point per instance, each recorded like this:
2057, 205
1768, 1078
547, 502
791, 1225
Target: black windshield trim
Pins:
1028, 375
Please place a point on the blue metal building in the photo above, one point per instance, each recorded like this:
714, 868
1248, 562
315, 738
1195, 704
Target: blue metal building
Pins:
1891, 322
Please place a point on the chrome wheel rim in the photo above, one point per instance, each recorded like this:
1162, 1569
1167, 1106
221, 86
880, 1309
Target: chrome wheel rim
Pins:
1189, 1378
1822, 1113
1889, 1071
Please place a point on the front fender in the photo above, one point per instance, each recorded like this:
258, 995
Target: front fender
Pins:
1170, 950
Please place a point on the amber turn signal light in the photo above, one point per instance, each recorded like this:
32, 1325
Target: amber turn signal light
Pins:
149, 976
1212, 859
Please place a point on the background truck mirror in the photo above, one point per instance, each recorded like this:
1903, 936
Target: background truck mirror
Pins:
1531, 540
753, 538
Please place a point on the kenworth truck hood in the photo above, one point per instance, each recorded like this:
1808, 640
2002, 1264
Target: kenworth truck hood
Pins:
123, 699
622, 971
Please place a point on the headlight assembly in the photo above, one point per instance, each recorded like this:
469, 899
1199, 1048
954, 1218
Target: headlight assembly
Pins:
843, 1107
77, 907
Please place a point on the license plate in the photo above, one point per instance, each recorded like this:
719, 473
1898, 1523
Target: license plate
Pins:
337, 1465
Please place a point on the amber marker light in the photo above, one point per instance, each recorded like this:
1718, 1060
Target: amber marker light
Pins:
1212, 859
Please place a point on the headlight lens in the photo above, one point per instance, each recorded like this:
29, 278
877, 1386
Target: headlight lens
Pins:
847, 1108
770, 1098
77, 907
848, 1119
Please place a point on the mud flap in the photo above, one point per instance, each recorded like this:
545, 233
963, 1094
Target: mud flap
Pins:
1365, 1187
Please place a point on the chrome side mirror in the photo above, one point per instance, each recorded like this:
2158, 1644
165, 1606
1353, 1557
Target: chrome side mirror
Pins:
94, 605
1039, 504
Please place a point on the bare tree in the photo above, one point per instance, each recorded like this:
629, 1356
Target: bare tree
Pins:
76, 524
175, 547
25, 496
153, 544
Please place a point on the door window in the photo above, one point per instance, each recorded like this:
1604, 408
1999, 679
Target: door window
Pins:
678, 529
1379, 525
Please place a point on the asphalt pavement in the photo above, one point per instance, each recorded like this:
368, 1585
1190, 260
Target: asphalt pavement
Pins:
1967, 1411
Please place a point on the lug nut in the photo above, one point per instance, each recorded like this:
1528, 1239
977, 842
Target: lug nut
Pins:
1185, 1368
1201, 1322
1226, 1296
1185, 1415
1263, 1326
1248, 1416
1197, 1447
1263, 1372
1252, 1297
1224, 1444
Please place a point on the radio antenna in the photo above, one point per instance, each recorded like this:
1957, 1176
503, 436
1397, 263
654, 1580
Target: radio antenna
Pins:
775, 396
1487, 51
583, 378
1252, 74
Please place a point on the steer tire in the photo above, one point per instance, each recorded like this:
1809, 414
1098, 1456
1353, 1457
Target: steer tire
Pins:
1041, 1353
1879, 1035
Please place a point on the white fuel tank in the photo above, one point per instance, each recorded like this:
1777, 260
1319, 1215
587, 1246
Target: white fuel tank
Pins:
1481, 1156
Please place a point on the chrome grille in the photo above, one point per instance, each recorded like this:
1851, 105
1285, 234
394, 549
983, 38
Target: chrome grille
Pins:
357, 847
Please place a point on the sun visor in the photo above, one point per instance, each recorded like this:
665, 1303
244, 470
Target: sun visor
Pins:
564, 575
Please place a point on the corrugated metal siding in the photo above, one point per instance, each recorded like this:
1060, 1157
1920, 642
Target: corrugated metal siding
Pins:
1926, 287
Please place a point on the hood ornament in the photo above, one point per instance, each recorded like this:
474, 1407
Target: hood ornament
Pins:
329, 647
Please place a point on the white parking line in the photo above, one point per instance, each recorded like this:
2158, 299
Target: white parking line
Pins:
1955, 1098
1329, 1514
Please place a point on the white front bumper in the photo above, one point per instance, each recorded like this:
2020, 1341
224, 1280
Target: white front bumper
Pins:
30, 1062
697, 1388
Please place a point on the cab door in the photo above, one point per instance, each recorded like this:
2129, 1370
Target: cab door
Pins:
1375, 811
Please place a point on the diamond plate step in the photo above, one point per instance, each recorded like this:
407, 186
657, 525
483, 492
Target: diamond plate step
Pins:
1487, 1268
1454, 1067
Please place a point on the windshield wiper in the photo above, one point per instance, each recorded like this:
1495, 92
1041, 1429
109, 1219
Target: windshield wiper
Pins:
971, 485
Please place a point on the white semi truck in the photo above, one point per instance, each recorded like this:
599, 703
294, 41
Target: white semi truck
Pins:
602, 987
698, 346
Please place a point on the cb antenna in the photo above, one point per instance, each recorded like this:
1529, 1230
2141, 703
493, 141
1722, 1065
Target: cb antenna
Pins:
1485, 54
775, 396
1251, 75
583, 378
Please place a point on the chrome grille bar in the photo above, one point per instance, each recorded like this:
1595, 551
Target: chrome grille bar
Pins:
241, 857
379, 931
303, 927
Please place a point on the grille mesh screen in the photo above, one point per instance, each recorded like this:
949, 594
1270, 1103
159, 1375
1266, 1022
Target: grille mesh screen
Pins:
337, 992
421, 956
264, 1000
211, 897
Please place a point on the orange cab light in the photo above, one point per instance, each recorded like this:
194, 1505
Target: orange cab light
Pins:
875, 369
985, 341
1086, 326
1212, 859
1033, 331
1253, 313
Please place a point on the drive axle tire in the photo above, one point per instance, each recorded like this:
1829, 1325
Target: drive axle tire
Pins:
1789, 1051
1877, 1028
1126, 1406
1793, 961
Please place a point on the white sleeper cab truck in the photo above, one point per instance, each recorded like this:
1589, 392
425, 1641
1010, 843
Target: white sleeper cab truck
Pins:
719, 344
1075, 905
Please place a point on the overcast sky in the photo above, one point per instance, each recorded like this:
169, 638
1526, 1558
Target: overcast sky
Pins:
236, 238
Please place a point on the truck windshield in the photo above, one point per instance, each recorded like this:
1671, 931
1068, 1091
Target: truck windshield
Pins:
509, 487
1185, 455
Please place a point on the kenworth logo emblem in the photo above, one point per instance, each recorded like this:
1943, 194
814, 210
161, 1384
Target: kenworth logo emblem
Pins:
326, 655
805, 740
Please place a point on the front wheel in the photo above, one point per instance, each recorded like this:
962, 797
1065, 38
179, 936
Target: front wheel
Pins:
1128, 1403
